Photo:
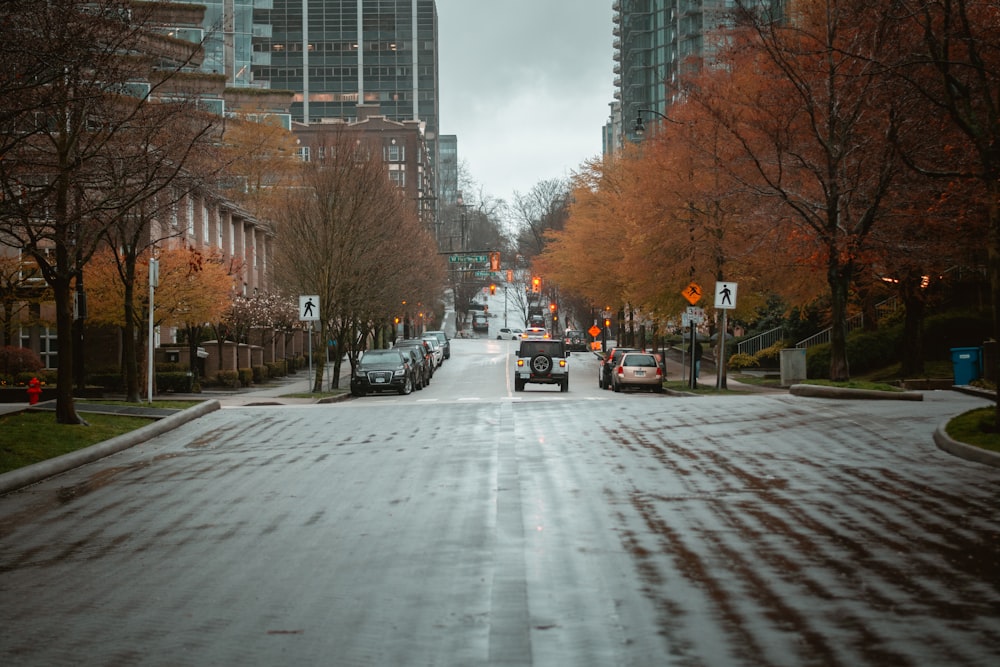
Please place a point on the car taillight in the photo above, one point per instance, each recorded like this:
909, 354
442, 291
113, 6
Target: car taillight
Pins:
659, 371
562, 363
520, 362
620, 370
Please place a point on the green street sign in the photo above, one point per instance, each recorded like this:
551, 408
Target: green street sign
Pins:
468, 259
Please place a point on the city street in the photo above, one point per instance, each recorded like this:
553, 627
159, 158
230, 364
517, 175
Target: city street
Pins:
468, 524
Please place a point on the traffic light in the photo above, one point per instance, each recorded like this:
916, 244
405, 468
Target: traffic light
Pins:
552, 307
493, 289
536, 285
607, 323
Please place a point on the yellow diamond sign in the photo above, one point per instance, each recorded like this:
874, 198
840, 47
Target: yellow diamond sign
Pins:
692, 293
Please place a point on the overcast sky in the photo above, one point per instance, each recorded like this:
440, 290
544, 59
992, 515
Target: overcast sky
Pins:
525, 85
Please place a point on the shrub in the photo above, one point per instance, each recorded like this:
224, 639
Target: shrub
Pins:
947, 330
260, 374
230, 379
742, 360
866, 351
275, 369
175, 382
246, 377
14, 360
770, 357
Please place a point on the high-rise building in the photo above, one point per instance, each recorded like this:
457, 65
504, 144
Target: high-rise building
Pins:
380, 52
658, 42
338, 54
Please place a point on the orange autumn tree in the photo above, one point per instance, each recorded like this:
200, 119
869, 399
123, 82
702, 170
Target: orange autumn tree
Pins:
585, 255
193, 287
808, 110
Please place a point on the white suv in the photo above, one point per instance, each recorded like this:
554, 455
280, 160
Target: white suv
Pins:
541, 361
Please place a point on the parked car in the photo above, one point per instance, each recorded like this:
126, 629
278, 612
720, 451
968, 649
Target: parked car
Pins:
576, 340
425, 357
436, 349
639, 370
383, 370
509, 334
444, 340
535, 332
541, 361
606, 366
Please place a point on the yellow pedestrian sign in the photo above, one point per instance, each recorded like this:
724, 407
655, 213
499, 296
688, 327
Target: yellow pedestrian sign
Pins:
692, 293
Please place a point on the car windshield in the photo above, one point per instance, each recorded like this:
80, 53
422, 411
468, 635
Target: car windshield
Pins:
382, 356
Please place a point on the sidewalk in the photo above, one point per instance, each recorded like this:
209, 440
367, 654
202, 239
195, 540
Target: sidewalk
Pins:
269, 394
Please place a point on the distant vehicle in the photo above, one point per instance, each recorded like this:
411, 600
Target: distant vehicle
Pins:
423, 348
509, 334
443, 340
383, 370
436, 348
541, 361
479, 322
637, 369
576, 340
607, 365
535, 332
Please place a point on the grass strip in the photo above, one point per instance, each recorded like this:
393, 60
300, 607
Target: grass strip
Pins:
30, 437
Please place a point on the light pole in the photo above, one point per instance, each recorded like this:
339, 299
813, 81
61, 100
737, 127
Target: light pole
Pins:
639, 128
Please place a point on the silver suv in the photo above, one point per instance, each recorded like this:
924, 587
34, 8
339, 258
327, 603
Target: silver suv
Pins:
541, 361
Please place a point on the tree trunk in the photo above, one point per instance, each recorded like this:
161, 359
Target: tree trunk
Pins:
912, 363
65, 406
318, 360
839, 279
129, 351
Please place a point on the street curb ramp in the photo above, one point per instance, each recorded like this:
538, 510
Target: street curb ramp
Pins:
36, 472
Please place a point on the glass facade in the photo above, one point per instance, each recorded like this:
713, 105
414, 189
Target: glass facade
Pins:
358, 51
228, 39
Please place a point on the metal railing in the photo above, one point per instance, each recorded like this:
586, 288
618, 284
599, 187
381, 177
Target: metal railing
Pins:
761, 341
882, 309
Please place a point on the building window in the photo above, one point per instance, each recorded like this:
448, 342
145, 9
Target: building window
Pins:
49, 344
395, 153
303, 153
398, 177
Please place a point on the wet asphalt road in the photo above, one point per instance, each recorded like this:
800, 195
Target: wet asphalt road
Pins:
466, 524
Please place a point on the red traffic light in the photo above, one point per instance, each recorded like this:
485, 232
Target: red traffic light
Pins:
493, 289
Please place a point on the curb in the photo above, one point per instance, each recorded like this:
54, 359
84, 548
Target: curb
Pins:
820, 391
964, 451
36, 472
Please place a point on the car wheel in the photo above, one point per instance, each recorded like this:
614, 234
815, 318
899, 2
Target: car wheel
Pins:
617, 387
499, 337
360, 393
541, 364
407, 387
518, 385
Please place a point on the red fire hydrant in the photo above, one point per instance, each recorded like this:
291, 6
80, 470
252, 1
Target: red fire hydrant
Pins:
34, 391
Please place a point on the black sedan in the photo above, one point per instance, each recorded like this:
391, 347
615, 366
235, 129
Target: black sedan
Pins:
383, 370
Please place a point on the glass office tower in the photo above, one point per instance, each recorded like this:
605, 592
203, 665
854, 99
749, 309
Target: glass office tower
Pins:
369, 52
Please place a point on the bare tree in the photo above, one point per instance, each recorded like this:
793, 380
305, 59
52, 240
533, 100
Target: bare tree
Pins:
541, 209
81, 153
350, 236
